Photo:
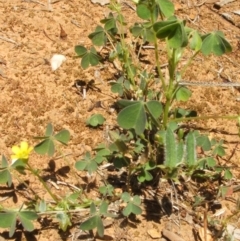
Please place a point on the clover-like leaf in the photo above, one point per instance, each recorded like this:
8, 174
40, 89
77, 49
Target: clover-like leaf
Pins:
215, 43
166, 7
49, 130
143, 11
45, 147
90, 223
195, 40
80, 50
63, 136
133, 117
183, 94
172, 29
98, 37
155, 108
95, 120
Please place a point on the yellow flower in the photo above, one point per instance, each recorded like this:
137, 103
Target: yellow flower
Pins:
21, 152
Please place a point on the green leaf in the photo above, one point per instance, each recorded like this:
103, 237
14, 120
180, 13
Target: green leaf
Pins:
103, 208
125, 197
64, 220
155, 108
45, 147
204, 142
215, 43
100, 227
80, 50
7, 219
49, 130
25, 218
117, 88
93, 209
109, 23
195, 41
42, 207
166, 7
136, 200
90, 58
191, 155
125, 103
183, 94
219, 150
143, 11
210, 162
120, 162
63, 136
13, 227
139, 30
4, 176
98, 37
85, 61
88, 164
30, 215
180, 152
228, 174
81, 165
170, 149
4, 162
133, 117
107, 190
95, 120
98, 159
173, 30
90, 223
144, 175
136, 30
131, 208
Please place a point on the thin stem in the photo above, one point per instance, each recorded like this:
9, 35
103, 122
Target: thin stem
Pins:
171, 89
157, 58
43, 183
27, 186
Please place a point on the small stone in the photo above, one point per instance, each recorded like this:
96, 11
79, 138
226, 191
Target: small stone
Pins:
154, 233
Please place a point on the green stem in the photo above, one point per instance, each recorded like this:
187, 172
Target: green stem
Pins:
43, 183
166, 111
171, 89
157, 56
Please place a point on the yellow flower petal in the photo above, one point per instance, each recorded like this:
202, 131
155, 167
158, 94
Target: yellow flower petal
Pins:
15, 149
21, 152
24, 146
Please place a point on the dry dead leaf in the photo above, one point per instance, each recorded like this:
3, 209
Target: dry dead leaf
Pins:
63, 34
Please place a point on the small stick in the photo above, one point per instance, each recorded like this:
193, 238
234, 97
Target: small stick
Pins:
209, 84
69, 185
84, 93
8, 40
48, 36
205, 222
54, 184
